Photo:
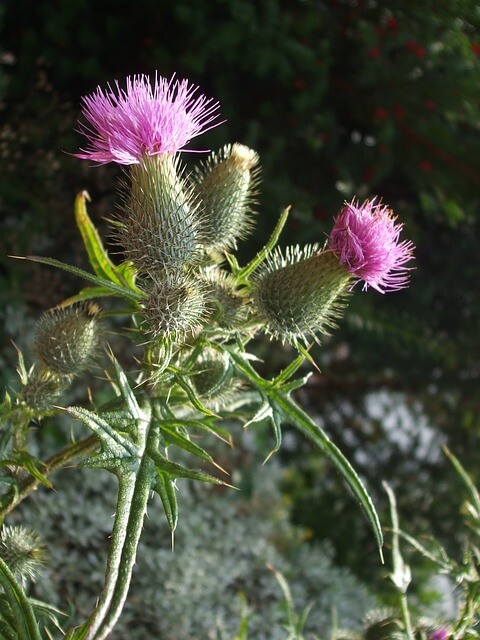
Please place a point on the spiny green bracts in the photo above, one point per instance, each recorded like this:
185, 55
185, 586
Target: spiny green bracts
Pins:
175, 307
380, 624
42, 391
301, 293
229, 306
22, 550
213, 379
160, 225
227, 183
67, 339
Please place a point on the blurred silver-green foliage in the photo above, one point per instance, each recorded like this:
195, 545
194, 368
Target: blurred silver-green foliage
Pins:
222, 546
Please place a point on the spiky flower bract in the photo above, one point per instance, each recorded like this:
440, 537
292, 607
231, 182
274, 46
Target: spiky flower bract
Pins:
441, 633
175, 307
160, 225
22, 550
301, 294
42, 391
144, 119
229, 305
67, 339
365, 239
227, 184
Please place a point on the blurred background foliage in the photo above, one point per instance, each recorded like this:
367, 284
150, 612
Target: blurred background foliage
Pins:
341, 99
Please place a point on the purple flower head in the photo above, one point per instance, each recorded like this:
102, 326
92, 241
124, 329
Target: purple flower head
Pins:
442, 633
145, 118
365, 239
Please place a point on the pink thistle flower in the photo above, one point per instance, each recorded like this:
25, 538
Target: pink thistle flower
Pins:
442, 633
365, 239
144, 119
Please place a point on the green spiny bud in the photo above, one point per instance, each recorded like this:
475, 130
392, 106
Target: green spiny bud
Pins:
212, 377
160, 227
22, 550
300, 294
230, 306
227, 182
42, 391
382, 625
66, 339
174, 307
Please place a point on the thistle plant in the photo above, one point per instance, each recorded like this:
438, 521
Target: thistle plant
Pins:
193, 310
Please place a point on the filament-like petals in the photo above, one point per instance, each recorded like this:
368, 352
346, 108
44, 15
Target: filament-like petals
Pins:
144, 119
366, 240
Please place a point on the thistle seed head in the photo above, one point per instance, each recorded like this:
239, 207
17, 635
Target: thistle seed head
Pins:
227, 183
67, 339
160, 227
301, 293
175, 307
22, 550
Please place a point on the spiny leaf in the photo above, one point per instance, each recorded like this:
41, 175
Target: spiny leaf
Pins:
176, 438
295, 416
291, 413
30, 463
187, 386
97, 255
27, 627
116, 443
175, 470
115, 289
165, 488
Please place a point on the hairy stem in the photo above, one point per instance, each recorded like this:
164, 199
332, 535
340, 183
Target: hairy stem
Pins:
132, 506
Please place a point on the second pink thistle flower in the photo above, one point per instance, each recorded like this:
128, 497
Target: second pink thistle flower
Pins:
144, 119
365, 239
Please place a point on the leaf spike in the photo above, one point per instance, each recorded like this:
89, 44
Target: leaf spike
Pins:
219, 467
272, 452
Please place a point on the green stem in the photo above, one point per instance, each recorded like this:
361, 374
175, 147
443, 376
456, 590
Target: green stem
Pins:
135, 484
407, 620
52, 464
244, 273
125, 555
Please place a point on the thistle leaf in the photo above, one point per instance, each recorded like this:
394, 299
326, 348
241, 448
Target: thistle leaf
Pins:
176, 470
295, 416
165, 488
26, 623
115, 289
97, 255
290, 413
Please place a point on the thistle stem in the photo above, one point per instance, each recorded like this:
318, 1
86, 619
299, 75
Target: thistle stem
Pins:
244, 273
134, 490
136, 475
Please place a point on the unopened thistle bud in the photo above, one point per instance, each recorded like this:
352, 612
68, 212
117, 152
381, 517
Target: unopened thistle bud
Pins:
213, 379
211, 371
229, 305
67, 339
227, 183
42, 391
381, 628
160, 227
174, 307
22, 550
301, 294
